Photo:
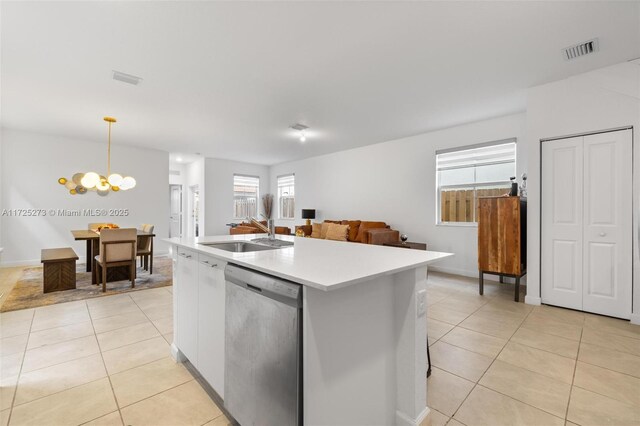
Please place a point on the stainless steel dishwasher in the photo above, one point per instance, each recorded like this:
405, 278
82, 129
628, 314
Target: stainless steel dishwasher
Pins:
263, 349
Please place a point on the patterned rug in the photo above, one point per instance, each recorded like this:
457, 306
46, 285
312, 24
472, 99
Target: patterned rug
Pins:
27, 292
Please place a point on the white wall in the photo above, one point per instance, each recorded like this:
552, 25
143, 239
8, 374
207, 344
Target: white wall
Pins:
219, 191
395, 182
30, 167
598, 100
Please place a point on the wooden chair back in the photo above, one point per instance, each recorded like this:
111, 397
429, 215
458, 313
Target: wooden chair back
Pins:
118, 245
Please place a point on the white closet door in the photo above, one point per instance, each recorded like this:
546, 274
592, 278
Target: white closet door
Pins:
562, 230
607, 236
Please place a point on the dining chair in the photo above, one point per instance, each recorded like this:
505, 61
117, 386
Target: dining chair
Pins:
117, 248
144, 250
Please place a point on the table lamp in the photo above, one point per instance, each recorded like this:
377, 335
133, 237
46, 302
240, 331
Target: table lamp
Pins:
308, 214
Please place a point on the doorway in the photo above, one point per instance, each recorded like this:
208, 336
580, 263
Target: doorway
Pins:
194, 211
586, 223
175, 212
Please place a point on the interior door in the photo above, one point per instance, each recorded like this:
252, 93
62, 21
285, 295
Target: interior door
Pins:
562, 230
607, 231
175, 215
587, 240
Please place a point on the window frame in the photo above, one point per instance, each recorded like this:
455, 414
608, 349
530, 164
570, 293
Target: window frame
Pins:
257, 195
475, 185
293, 175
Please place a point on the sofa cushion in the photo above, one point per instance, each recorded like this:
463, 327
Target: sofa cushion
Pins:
338, 222
316, 230
354, 226
325, 229
368, 225
337, 232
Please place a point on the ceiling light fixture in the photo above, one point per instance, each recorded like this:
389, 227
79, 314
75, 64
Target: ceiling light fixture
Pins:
302, 131
80, 183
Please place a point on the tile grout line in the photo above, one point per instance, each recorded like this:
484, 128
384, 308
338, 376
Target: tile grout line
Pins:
573, 378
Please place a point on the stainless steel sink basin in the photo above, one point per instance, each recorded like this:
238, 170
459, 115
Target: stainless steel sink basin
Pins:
239, 246
273, 243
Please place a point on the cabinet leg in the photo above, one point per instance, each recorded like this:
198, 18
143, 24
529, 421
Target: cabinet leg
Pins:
481, 282
501, 279
517, 293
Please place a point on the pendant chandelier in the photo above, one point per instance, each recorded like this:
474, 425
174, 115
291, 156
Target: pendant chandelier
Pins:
80, 183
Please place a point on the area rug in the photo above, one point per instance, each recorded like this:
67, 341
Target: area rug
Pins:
27, 292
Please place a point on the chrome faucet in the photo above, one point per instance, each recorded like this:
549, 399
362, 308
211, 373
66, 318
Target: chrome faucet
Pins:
269, 229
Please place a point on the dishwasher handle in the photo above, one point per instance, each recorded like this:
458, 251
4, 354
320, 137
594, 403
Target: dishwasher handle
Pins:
265, 285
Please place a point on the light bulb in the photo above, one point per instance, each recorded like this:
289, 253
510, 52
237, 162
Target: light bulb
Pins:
90, 180
303, 137
103, 185
115, 179
127, 183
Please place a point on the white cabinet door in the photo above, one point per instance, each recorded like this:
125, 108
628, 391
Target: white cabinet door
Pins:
186, 334
211, 294
561, 243
608, 224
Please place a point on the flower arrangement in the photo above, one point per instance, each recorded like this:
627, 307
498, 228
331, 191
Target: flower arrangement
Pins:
267, 205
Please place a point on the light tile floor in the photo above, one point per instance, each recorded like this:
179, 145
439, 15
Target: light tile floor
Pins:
107, 361
496, 362
103, 361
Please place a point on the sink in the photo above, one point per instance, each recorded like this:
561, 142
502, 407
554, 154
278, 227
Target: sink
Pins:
239, 246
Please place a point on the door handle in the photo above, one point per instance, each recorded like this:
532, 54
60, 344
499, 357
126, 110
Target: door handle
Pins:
602, 234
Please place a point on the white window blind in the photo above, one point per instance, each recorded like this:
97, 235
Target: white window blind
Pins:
464, 174
245, 196
286, 196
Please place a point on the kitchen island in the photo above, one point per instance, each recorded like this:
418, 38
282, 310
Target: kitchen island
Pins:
363, 325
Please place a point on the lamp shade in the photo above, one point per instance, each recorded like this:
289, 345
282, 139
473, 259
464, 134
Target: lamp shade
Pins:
308, 213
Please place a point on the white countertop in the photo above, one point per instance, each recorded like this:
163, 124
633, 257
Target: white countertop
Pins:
321, 264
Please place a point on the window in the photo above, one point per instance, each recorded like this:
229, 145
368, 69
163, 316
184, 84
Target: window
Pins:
286, 197
245, 196
467, 173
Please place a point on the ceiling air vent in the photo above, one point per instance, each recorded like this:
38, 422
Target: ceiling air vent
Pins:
126, 78
581, 49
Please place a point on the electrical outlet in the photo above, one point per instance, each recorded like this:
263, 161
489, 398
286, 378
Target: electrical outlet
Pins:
421, 303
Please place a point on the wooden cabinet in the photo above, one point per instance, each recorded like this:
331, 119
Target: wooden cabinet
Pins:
211, 311
502, 229
187, 303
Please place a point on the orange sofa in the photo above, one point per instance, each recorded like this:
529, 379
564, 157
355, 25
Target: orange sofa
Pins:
365, 232
247, 228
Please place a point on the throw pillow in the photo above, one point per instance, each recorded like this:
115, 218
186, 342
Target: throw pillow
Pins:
315, 230
323, 231
337, 232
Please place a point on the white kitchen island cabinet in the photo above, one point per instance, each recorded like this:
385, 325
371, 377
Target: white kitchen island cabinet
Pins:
211, 296
364, 334
186, 316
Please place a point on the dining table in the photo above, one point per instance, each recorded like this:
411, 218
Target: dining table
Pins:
92, 239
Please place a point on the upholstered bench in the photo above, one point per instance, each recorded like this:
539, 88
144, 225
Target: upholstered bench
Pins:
58, 269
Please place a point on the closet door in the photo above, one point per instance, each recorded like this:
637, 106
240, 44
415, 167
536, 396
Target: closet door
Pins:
562, 230
607, 234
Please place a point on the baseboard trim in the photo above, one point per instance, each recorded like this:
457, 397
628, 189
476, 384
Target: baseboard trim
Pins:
404, 420
532, 300
635, 319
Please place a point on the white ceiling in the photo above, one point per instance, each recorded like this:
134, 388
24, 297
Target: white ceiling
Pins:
227, 79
